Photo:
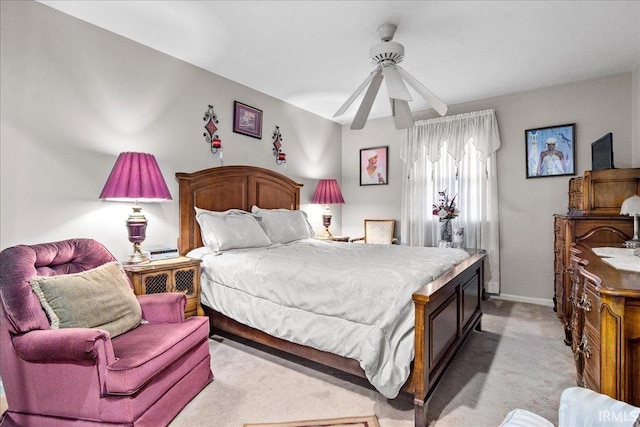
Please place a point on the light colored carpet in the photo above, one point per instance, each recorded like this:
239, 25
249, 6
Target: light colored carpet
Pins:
519, 360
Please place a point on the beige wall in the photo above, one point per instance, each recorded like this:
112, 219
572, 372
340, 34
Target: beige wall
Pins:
526, 205
635, 116
74, 96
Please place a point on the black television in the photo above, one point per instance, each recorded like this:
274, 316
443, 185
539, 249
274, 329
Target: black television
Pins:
602, 153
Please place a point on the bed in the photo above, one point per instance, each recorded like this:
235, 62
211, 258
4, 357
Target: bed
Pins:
445, 310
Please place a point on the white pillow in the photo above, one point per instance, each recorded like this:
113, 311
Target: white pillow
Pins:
232, 229
283, 225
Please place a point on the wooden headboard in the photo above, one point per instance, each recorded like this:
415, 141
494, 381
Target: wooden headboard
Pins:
230, 187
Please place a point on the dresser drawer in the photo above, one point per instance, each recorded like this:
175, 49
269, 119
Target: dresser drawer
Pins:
590, 350
589, 380
589, 303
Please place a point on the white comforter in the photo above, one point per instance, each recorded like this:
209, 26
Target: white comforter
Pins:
353, 300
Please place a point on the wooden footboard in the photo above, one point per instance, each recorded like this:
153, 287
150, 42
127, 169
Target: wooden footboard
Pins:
446, 311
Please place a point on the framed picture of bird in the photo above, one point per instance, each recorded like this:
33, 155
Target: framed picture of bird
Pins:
550, 151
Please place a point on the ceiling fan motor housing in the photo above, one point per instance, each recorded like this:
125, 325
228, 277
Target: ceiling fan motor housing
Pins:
386, 52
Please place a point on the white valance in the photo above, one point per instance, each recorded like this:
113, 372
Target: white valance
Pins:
481, 127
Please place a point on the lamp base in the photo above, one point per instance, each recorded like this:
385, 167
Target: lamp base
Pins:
327, 234
635, 241
137, 228
326, 223
137, 257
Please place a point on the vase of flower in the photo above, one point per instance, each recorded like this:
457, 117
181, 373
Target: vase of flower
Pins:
446, 230
445, 209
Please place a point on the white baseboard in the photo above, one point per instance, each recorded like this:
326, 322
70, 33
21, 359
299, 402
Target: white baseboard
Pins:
517, 298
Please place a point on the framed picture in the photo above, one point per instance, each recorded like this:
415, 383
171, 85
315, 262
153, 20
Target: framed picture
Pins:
247, 120
550, 151
373, 166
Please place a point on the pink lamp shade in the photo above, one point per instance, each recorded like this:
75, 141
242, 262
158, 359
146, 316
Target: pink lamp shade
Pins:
327, 193
136, 177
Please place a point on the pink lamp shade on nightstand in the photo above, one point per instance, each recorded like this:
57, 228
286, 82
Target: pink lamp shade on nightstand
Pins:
631, 206
327, 193
136, 177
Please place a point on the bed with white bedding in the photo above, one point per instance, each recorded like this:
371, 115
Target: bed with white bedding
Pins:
307, 290
393, 314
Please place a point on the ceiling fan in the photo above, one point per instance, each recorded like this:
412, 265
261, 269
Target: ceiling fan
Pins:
386, 55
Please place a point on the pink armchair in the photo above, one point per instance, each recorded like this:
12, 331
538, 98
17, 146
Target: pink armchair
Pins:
78, 376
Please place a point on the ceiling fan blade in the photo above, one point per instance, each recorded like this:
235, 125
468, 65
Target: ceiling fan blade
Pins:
363, 112
355, 94
395, 85
401, 114
433, 100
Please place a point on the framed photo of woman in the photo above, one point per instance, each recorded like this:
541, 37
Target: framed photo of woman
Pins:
550, 151
373, 166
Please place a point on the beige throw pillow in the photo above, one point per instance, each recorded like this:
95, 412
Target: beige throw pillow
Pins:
99, 298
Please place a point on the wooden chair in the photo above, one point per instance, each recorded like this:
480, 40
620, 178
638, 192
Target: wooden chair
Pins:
378, 231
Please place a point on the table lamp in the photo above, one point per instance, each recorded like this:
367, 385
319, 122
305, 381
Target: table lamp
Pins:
631, 206
327, 193
136, 177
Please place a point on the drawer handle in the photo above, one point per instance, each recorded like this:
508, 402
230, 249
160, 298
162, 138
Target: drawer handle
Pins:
584, 348
585, 303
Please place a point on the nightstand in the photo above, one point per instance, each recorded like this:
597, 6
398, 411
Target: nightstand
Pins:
179, 274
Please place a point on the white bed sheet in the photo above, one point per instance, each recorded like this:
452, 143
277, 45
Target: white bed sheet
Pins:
353, 300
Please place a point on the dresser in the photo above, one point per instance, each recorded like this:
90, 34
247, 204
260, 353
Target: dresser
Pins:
605, 325
594, 201
574, 229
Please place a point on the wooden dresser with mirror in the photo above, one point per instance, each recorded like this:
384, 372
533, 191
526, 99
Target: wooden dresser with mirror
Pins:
582, 279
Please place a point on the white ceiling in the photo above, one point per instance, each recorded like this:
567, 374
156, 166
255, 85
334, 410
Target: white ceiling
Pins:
314, 54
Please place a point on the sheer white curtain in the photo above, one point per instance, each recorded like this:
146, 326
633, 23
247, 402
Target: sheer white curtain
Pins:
456, 154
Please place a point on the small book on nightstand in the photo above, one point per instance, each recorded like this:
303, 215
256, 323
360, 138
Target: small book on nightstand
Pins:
159, 252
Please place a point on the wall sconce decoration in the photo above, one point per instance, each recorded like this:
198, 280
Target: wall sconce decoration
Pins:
210, 135
280, 156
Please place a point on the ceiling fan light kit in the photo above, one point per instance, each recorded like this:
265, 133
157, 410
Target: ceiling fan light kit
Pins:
386, 55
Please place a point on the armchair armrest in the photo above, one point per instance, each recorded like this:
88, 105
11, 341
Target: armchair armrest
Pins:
167, 307
63, 345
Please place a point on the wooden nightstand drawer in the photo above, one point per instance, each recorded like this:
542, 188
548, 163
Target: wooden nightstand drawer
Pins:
171, 275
